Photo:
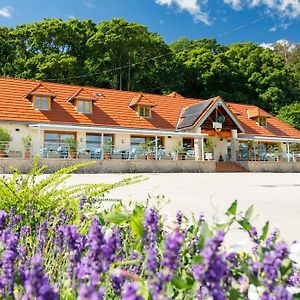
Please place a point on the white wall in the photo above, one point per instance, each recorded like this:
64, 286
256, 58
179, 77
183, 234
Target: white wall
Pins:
220, 148
16, 144
171, 142
122, 141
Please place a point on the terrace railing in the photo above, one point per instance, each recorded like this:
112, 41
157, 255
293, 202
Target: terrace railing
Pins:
274, 156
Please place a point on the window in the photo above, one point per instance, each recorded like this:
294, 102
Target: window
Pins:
93, 141
54, 141
84, 106
145, 111
140, 142
262, 122
188, 143
41, 103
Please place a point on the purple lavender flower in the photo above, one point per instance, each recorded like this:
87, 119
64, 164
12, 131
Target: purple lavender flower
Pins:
42, 235
3, 219
8, 271
116, 283
151, 220
201, 218
90, 292
111, 245
75, 243
294, 279
272, 237
151, 260
25, 230
179, 217
214, 269
271, 263
131, 291
36, 283
172, 250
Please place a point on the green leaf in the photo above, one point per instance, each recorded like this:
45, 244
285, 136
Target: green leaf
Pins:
249, 213
136, 224
235, 294
286, 266
116, 217
232, 209
205, 234
245, 224
264, 232
197, 259
181, 283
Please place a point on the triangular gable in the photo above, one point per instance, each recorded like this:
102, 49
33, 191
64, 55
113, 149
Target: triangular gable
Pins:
196, 115
218, 101
40, 89
81, 94
140, 100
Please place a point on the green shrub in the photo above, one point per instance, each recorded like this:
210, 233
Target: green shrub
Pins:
49, 193
5, 137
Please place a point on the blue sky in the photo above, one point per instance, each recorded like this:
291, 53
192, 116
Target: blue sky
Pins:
259, 21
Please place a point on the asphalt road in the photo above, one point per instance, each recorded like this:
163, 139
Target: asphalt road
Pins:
276, 196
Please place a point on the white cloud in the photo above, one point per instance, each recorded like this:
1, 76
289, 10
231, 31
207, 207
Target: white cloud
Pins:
6, 11
89, 4
191, 6
236, 4
286, 8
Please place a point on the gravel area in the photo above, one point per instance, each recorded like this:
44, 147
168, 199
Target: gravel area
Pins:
276, 196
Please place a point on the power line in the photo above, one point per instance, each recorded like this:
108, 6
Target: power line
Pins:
154, 57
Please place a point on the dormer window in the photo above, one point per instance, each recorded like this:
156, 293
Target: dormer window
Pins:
40, 97
258, 115
142, 106
84, 106
145, 111
41, 103
262, 121
83, 101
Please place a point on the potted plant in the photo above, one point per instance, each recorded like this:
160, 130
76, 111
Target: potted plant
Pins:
179, 151
107, 149
252, 149
27, 145
5, 138
72, 145
148, 148
209, 148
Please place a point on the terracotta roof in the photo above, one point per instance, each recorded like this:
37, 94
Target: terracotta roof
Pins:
81, 93
274, 128
255, 111
112, 109
175, 95
40, 89
140, 100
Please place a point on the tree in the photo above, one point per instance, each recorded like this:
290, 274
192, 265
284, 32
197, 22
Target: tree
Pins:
53, 49
290, 114
127, 50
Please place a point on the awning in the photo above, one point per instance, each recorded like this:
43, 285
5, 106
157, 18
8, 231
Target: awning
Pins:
268, 138
117, 130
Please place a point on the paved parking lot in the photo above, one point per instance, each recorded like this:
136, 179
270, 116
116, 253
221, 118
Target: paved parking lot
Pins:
276, 196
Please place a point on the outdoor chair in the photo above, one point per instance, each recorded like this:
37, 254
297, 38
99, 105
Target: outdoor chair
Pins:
116, 154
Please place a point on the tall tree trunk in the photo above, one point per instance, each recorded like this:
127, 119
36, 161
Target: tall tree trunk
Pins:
128, 75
